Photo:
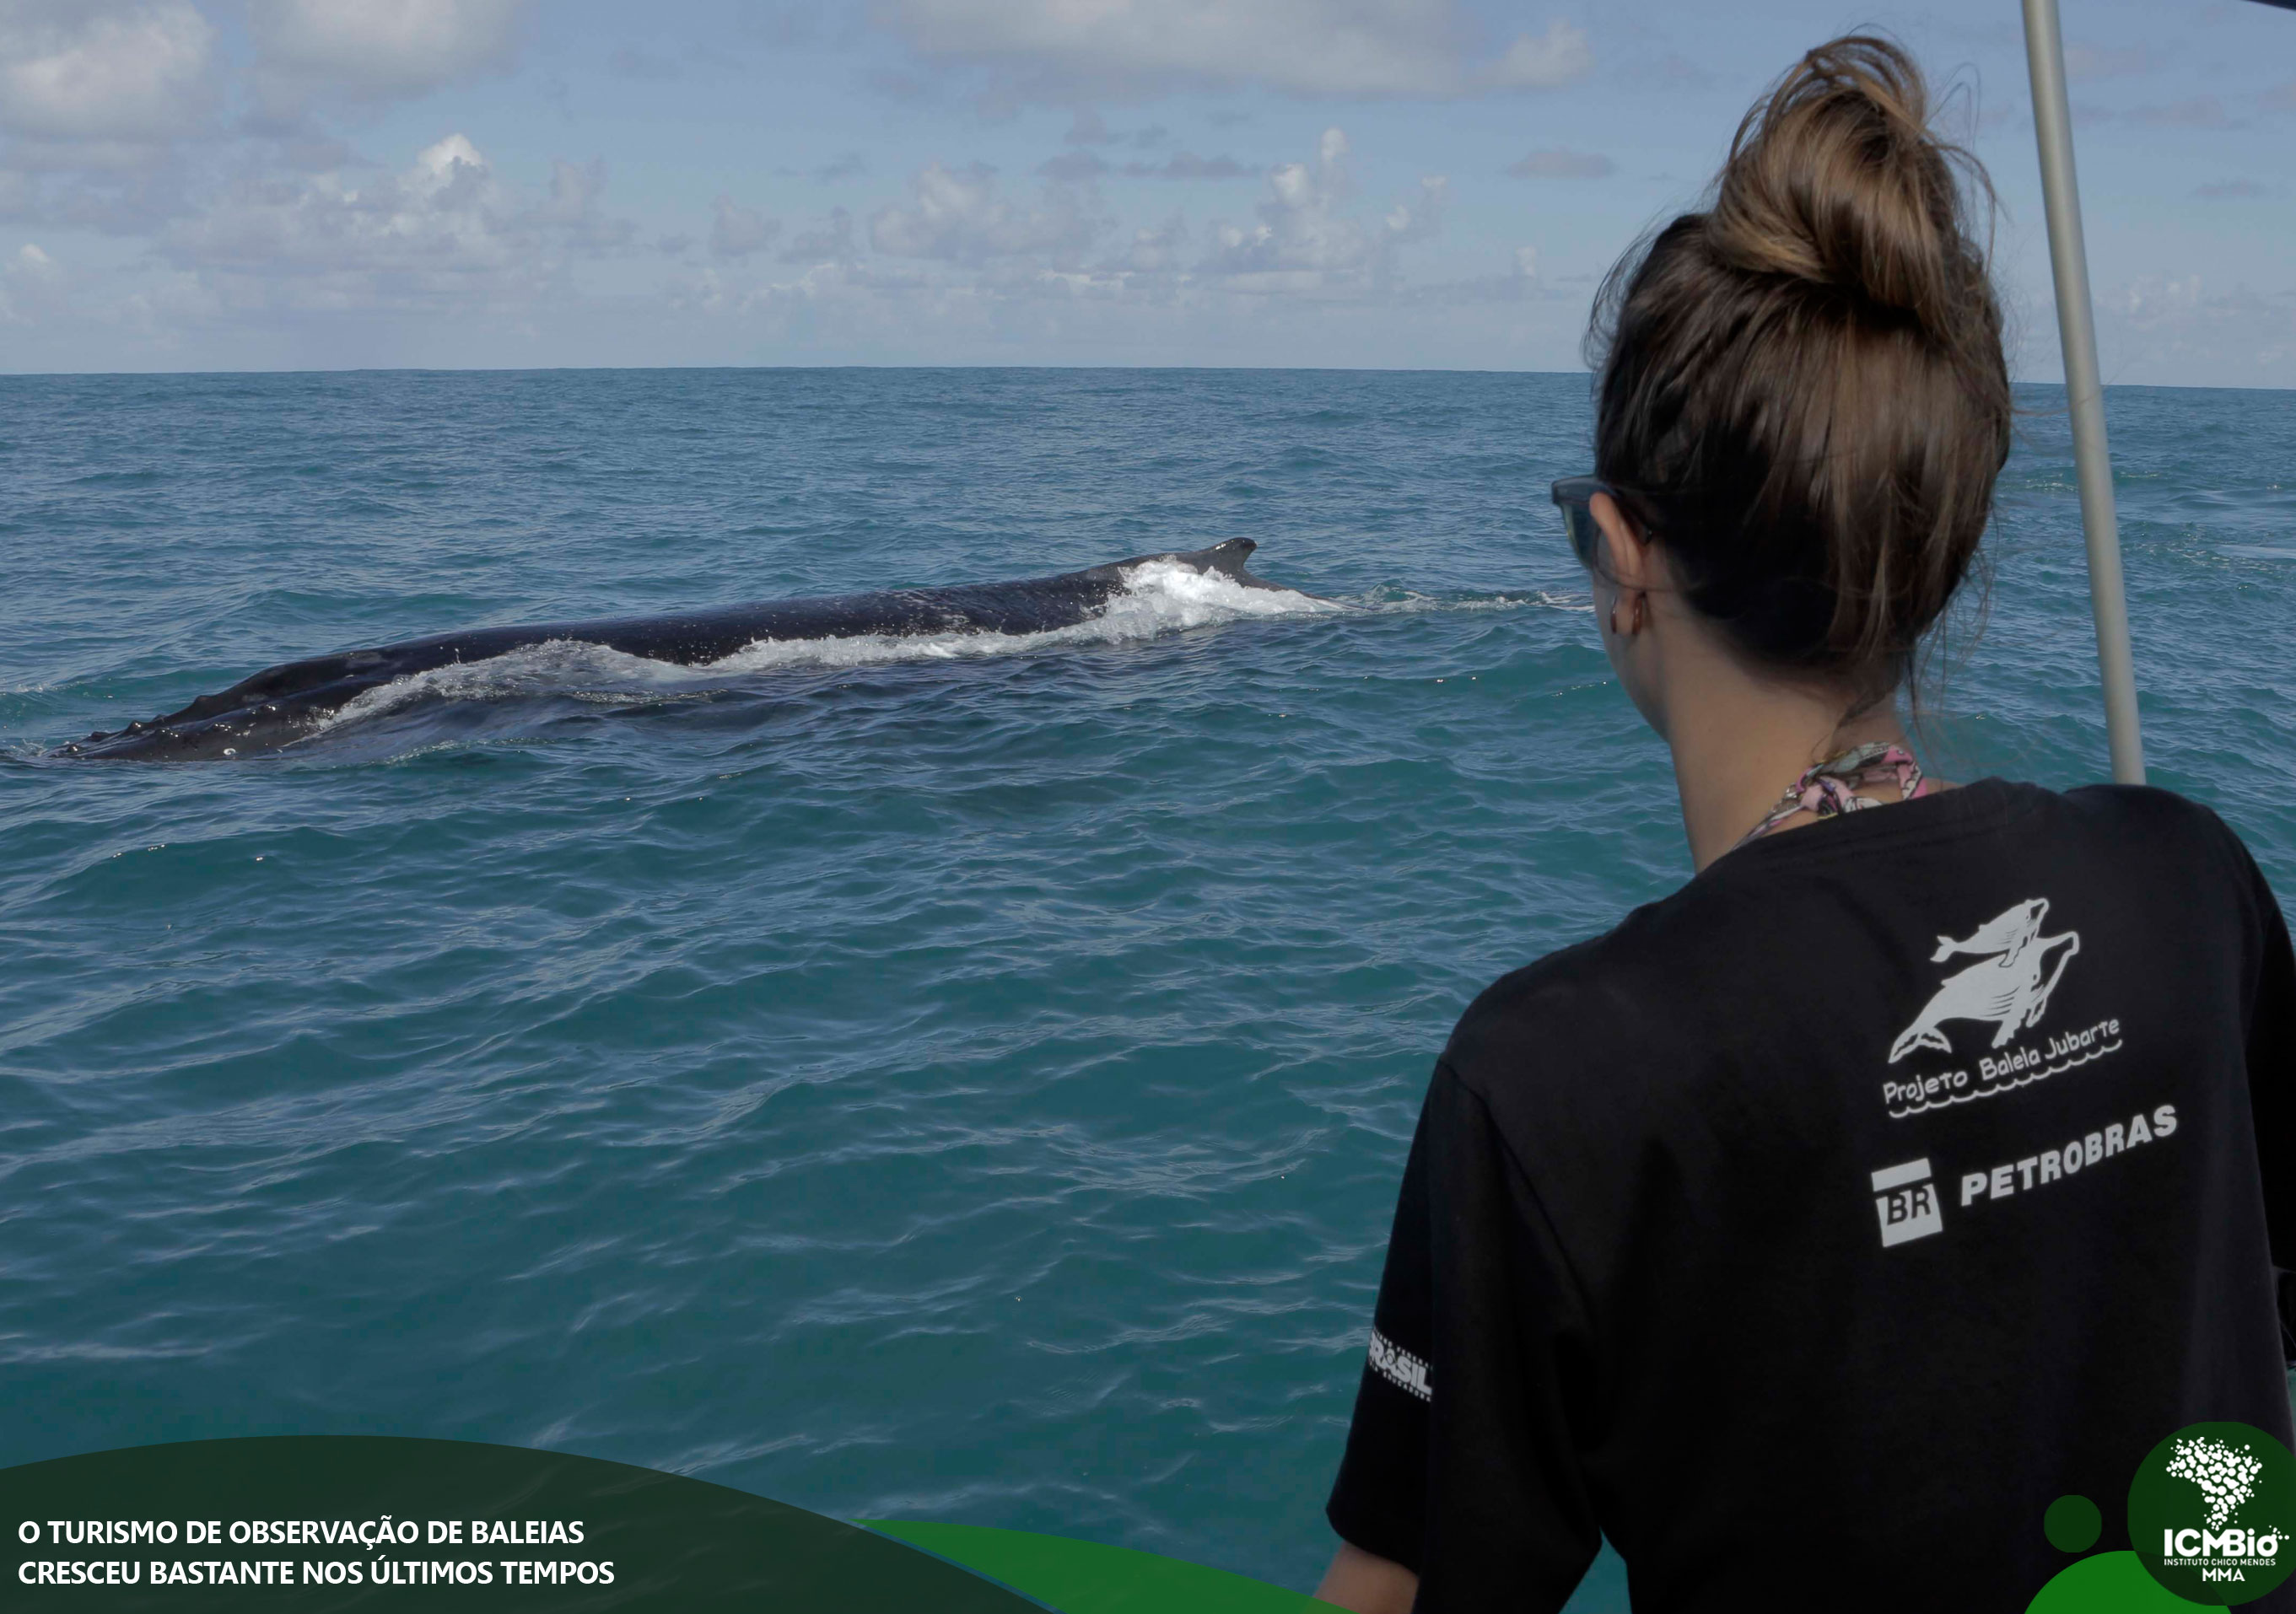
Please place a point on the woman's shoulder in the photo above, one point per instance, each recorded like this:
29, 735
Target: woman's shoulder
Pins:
1787, 925
2163, 825
1984, 819
1559, 998
2136, 805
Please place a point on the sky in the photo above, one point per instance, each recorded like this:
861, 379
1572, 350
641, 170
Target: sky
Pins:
255, 184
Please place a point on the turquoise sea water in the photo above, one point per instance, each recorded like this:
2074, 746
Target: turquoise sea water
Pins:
958, 1082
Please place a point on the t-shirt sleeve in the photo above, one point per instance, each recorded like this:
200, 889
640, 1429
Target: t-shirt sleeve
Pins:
1462, 1463
2272, 1098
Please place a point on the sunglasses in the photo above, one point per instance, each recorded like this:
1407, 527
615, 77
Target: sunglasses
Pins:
1574, 496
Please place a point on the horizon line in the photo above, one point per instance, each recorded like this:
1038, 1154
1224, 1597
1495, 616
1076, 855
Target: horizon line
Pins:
13, 376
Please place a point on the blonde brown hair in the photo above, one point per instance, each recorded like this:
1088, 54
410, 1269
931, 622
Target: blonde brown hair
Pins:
1800, 392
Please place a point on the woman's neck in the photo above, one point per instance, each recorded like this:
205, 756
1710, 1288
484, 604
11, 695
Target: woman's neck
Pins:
1741, 741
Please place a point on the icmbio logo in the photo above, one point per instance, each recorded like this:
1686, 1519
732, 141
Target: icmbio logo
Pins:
2211, 1513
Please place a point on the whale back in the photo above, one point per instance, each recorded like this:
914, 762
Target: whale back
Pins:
280, 704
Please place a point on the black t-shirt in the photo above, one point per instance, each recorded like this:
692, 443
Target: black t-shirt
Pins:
1813, 1231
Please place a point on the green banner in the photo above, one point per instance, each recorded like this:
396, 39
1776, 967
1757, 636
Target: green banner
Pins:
372, 1522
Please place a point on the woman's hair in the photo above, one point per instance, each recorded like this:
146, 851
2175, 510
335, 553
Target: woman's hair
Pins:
1800, 392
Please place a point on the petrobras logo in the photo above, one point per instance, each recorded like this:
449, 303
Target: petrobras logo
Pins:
1907, 1202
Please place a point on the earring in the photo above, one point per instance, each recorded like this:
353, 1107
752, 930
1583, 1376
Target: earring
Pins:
1638, 626
1635, 623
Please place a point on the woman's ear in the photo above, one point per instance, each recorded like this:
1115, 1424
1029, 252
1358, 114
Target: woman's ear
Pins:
1625, 552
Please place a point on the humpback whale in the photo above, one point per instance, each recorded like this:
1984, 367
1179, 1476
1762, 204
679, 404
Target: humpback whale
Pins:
282, 704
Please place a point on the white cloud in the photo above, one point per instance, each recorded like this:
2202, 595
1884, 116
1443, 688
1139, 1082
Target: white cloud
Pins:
961, 268
831, 243
956, 215
2181, 325
1156, 251
111, 189
1082, 168
572, 212
1051, 49
101, 104
379, 50
849, 296
447, 234
2155, 299
991, 263
1306, 240
1520, 283
31, 282
1187, 165
737, 230
97, 72
1547, 62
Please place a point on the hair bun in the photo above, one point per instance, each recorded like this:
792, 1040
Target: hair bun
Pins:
1836, 178
1803, 387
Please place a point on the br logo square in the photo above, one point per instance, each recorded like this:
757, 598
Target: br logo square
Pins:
1907, 1201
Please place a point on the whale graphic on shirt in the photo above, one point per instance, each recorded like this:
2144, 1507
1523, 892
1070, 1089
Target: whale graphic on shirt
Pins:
2008, 988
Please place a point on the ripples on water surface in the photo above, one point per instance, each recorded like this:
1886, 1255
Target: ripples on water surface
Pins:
963, 1086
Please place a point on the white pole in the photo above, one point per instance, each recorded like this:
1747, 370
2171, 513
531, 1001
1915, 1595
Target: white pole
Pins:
2044, 55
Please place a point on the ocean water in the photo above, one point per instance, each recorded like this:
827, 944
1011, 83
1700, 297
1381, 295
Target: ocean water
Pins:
957, 1081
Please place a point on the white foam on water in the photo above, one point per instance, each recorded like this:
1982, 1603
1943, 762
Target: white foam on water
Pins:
1390, 601
1159, 597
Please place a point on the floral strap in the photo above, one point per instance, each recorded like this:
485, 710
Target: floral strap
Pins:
1833, 786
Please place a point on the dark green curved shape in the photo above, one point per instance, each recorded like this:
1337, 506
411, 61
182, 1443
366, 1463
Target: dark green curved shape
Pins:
673, 1542
1084, 1578
2111, 1583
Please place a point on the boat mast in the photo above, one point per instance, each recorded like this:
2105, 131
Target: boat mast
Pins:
2044, 55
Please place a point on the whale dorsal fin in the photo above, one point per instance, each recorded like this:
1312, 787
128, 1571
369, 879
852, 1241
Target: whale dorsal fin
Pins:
1230, 556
